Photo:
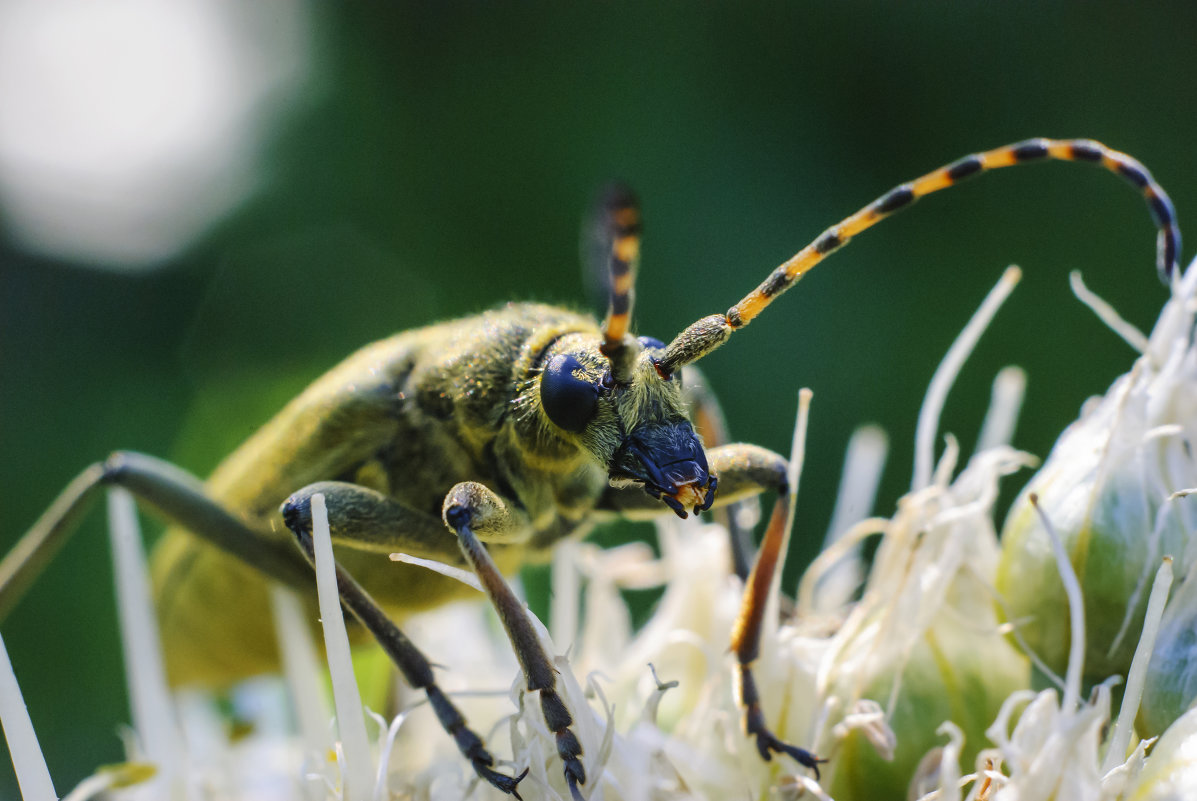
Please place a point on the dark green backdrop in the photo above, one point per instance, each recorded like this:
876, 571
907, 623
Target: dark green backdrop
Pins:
441, 161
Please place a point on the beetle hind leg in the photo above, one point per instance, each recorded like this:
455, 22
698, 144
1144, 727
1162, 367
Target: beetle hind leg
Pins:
172, 492
414, 666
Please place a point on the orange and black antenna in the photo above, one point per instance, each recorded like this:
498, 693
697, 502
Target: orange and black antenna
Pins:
703, 336
621, 211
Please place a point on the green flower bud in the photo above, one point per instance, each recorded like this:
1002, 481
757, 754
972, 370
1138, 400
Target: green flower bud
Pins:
1108, 488
924, 642
960, 670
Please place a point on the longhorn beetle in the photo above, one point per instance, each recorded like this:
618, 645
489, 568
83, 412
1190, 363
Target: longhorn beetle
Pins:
515, 428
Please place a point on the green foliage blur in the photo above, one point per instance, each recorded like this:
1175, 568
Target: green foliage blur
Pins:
441, 160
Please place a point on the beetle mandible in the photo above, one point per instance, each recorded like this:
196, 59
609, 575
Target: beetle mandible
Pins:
516, 428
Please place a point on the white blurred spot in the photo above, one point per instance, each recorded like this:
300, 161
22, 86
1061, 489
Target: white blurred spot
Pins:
127, 127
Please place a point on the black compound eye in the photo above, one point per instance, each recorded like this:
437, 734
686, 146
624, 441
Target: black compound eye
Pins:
569, 401
651, 343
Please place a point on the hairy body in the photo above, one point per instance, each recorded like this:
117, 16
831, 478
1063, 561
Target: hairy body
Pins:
409, 416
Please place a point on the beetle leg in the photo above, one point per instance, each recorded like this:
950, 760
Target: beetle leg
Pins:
470, 506
416, 669
172, 492
746, 634
743, 471
367, 520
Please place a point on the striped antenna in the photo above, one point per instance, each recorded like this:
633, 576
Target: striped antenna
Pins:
705, 335
621, 213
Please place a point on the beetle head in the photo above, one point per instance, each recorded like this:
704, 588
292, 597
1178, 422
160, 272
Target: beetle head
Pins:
633, 421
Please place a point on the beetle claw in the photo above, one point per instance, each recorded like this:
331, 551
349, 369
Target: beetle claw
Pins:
501, 781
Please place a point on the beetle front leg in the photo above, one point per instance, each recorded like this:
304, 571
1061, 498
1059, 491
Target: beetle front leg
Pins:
743, 471
470, 508
411, 662
742, 468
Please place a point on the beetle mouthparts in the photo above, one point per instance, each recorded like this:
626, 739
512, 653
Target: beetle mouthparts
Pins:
669, 462
688, 498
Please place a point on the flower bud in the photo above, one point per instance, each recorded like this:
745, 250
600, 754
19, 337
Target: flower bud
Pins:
924, 641
960, 670
1108, 489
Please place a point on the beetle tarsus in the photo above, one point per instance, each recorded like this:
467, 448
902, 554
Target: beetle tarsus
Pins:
572, 781
500, 781
767, 744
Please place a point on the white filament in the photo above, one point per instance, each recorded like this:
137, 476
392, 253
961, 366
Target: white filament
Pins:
1076, 614
27, 760
810, 596
945, 376
793, 474
1136, 677
564, 613
301, 668
464, 576
864, 462
149, 695
358, 776
1005, 402
1106, 313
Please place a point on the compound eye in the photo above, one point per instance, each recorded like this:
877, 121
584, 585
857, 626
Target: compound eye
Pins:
569, 399
651, 343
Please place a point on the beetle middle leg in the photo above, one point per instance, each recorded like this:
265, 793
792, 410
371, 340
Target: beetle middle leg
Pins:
365, 519
368, 520
416, 670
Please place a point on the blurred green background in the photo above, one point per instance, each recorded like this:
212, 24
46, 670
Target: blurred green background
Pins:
438, 158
